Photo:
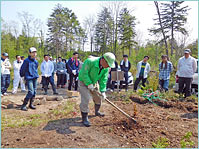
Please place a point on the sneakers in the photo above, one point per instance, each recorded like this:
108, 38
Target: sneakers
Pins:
14, 92
5, 94
1, 95
23, 91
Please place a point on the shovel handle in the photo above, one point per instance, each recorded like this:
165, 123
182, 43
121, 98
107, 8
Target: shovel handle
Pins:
124, 113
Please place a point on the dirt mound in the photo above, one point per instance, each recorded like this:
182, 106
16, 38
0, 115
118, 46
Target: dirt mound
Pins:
186, 106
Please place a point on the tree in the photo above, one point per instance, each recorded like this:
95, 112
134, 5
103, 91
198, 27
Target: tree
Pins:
161, 29
127, 30
89, 26
171, 18
64, 30
103, 31
115, 9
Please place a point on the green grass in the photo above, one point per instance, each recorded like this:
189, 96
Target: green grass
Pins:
35, 120
161, 143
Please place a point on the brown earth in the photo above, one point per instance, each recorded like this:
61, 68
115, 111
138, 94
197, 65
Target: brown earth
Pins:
113, 130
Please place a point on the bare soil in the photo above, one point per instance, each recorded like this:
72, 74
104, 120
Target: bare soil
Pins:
113, 130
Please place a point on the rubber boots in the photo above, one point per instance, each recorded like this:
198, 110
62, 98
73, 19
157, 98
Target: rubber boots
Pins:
97, 113
54, 90
31, 104
85, 119
25, 102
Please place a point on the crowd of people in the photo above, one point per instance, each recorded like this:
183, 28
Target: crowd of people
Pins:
94, 70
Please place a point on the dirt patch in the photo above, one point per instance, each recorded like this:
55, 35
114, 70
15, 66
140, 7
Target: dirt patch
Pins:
185, 105
62, 127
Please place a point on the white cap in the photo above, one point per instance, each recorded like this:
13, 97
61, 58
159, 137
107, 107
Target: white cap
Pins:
187, 51
32, 49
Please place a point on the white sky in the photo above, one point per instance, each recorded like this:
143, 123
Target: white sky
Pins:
143, 10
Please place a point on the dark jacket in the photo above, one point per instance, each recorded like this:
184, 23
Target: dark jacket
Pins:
125, 69
29, 69
72, 65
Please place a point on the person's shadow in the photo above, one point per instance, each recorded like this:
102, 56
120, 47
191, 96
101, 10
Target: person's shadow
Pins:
62, 126
190, 115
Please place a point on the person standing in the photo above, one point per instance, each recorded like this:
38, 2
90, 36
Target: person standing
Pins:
125, 66
165, 69
47, 69
55, 67
17, 65
73, 70
5, 74
187, 66
60, 73
65, 71
143, 68
29, 70
94, 69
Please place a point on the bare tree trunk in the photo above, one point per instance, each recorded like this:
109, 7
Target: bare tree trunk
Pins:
172, 27
163, 33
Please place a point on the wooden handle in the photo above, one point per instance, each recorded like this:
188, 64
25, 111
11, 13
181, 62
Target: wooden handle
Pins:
124, 113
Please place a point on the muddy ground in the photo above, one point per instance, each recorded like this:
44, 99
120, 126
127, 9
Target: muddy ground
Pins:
57, 124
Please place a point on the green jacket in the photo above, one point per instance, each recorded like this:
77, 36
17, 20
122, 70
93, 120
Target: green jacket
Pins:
89, 73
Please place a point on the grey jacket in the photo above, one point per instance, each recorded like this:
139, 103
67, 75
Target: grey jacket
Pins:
60, 68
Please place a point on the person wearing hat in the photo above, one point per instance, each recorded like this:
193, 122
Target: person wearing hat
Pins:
165, 69
16, 66
5, 74
94, 69
143, 68
125, 66
186, 68
29, 70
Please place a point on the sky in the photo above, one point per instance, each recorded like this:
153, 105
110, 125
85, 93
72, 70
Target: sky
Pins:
144, 11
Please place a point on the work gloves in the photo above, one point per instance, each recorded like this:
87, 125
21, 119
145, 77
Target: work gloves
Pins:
74, 72
103, 95
91, 87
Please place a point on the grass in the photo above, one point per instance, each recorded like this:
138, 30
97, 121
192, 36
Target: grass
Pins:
161, 143
21, 121
35, 120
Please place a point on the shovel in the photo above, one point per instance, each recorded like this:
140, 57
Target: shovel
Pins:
124, 113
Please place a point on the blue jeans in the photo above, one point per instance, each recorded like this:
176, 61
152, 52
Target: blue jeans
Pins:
32, 88
164, 84
5, 82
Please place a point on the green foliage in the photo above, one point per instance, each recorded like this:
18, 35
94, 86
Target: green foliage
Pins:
153, 82
127, 30
161, 143
103, 31
169, 95
186, 141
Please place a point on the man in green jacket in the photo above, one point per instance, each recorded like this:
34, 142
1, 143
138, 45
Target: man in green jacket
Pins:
94, 69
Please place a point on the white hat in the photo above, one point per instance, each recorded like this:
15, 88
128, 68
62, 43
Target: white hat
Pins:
32, 49
187, 51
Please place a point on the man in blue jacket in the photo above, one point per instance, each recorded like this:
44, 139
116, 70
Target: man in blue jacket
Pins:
29, 70
73, 70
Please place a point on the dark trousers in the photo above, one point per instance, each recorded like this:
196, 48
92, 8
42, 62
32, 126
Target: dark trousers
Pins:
5, 82
60, 79
46, 81
73, 77
65, 78
187, 83
126, 80
137, 81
